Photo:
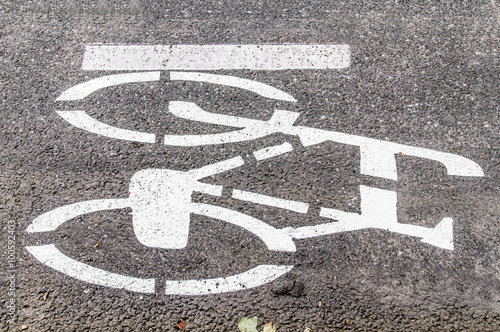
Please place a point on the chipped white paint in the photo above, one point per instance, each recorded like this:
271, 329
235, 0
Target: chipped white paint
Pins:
82, 90
257, 87
52, 257
259, 275
83, 121
215, 57
273, 151
216, 168
286, 204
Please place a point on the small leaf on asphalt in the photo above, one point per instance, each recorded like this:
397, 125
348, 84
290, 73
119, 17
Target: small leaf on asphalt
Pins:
180, 325
45, 296
269, 327
248, 324
96, 245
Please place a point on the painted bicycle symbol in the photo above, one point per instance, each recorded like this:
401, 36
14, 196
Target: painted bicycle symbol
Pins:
160, 199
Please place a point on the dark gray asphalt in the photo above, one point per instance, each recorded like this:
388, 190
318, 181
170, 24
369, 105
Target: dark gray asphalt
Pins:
422, 73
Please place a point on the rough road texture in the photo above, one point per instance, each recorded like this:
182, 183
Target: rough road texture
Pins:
422, 73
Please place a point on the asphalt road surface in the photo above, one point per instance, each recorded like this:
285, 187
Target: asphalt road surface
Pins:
361, 194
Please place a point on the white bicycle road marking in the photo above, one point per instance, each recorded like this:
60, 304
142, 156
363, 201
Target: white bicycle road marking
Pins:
286, 204
215, 57
52, 257
161, 199
273, 151
82, 90
161, 206
258, 276
259, 88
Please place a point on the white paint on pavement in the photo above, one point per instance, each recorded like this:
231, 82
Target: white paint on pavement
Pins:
215, 57
259, 275
161, 202
216, 168
252, 129
275, 239
286, 204
161, 205
52, 257
273, 151
377, 156
83, 121
160, 199
378, 210
233, 81
49, 221
82, 90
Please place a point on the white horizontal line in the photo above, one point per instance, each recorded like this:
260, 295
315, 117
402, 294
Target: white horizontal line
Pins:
215, 57
270, 201
273, 151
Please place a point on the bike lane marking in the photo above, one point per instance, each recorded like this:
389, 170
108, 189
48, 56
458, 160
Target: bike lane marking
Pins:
160, 199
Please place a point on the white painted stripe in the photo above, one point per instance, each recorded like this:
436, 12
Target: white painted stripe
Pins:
273, 151
49, 221
83, 121
271, 201
82, 90
216, 168
259, 88
215, 57
52, 257
255, 277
